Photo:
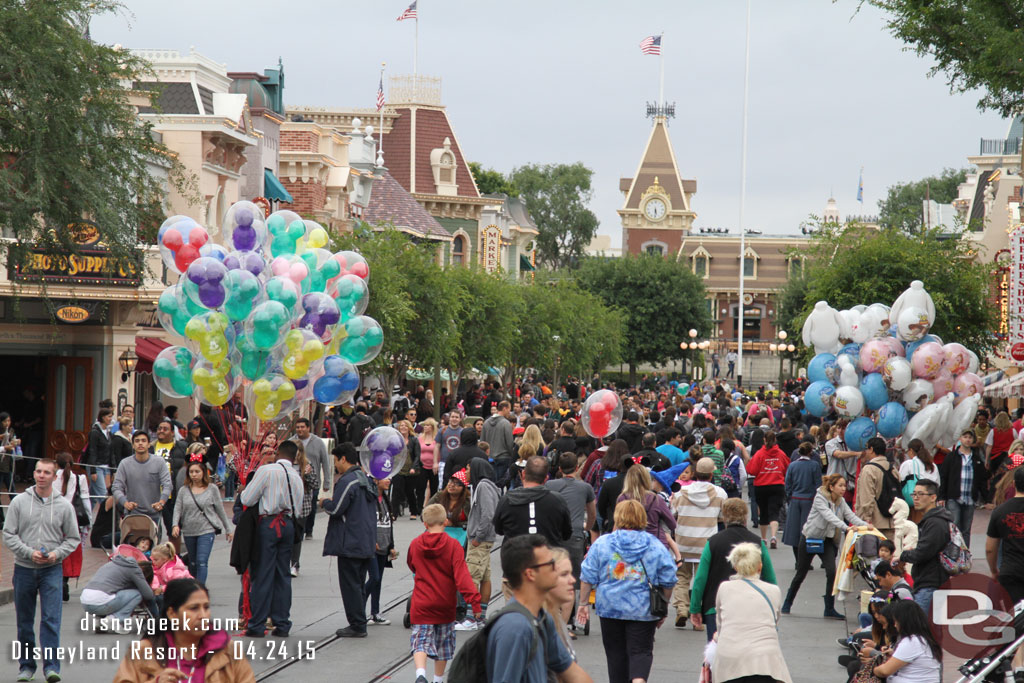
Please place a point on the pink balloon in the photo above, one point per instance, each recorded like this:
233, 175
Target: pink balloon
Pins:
957, 358
873, 355
967, 384
927, 360
896, 346
943, 383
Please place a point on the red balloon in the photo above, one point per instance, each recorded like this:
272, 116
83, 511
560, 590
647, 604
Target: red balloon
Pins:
197, 236
610, 400
361, 270
599, 411
599, 426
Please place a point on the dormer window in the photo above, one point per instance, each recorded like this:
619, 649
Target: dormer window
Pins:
750, 259
700, 260
442, 163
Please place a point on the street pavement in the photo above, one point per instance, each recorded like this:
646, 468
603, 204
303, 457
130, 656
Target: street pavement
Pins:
808, 640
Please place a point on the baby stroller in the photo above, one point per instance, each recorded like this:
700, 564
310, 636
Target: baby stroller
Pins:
136, 526
858, 556
993, 664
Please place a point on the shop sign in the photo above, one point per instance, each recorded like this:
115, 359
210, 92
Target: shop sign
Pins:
1016, 312
72, 314
491, 248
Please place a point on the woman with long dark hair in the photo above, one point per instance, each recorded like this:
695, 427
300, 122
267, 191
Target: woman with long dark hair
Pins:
768, 466
611, 478
916, 655
199, 517
185, 627
68, 484
153, 419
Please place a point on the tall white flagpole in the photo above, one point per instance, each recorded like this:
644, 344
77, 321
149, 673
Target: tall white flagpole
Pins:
416, 44
743, 198
380, 128
661, 86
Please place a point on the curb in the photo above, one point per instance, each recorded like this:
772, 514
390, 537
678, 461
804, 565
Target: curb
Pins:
6, 596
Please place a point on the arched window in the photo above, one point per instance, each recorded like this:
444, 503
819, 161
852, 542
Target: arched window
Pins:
700, 266
458, 250
655, 250
447, 170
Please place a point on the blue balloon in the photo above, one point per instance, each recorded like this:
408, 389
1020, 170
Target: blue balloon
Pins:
339, 382
818, 397
851, 349
875, 393
821, 368
892, 419
858, 432
912, 346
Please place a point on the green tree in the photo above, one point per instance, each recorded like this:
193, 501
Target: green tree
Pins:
661, 300
71, 144
556, 196
902, 207
489, 322
857, 265
976, 43
489, 181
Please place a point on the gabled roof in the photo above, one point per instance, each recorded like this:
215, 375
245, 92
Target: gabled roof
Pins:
432, 127
659, 161
391, 203
176, 98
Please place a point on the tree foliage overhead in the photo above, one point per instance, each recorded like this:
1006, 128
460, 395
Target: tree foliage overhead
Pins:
976, 43
661, 299
489, 181
71, 145
902, 207
556, 196
856, 265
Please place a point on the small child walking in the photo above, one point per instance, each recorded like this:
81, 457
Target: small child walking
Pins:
438, 562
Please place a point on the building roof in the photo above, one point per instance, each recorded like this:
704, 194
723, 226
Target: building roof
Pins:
250, 85
724, 253
391, 203
176, 98
659, 161
432, 127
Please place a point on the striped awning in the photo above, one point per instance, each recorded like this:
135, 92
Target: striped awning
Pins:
1012, 386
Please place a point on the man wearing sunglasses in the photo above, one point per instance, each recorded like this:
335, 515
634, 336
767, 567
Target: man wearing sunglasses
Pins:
513, 655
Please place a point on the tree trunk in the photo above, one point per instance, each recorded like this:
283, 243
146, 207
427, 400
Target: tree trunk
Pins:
437, 393
632, 374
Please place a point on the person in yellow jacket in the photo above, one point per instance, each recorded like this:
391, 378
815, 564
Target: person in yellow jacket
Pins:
190, 650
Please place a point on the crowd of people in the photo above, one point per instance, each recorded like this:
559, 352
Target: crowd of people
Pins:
678, 510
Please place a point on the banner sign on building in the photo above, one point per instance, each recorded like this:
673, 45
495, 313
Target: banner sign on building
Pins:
491, 248
92, 265
1015, 341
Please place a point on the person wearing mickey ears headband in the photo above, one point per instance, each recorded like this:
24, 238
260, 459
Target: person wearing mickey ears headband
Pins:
199, 515
182, 646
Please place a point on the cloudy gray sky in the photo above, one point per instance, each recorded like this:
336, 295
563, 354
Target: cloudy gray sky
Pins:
530, 81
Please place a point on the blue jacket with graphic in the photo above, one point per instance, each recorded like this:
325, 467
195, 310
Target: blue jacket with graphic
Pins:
615, 567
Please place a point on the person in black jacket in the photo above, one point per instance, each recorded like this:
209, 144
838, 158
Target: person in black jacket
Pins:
121, 442
630, 431
359, 425
957, 495
933, 536
460, 457
98, 454
211, 426
533, 508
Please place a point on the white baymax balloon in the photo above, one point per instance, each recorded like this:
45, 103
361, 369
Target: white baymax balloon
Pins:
973, 365
963, 417
823, 328
918, 394
847, 371
851, 318
882, 311
915, 296
869, 325
929, 424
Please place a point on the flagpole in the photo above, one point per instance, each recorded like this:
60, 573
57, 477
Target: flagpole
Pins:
743, 199
416, 45
661, 86
380, 128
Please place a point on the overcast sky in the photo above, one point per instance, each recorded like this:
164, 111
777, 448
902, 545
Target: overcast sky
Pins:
532, 81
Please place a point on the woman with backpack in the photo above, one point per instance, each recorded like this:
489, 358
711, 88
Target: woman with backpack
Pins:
802, 481
829, 517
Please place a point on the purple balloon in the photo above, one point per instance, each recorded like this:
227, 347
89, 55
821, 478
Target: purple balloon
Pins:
321, 313
246, 260
383, 453
207, 274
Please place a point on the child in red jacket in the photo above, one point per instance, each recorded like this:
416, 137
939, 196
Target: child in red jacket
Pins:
439, 563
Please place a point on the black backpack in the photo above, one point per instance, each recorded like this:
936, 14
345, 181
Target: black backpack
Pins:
891, 490
470, 663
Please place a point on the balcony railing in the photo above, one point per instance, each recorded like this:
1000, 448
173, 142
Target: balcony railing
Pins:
1000, 146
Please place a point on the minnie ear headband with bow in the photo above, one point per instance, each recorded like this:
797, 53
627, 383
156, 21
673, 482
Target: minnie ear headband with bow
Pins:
195, 457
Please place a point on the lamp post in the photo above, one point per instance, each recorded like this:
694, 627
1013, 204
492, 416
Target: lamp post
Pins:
781, 347
555, 338
127, 360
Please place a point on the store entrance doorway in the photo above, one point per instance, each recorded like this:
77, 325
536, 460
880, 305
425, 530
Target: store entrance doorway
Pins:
70, 406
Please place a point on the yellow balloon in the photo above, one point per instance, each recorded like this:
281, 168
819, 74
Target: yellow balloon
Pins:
269, 400
317, 238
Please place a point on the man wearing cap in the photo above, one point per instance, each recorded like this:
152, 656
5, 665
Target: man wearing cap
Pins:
698, 511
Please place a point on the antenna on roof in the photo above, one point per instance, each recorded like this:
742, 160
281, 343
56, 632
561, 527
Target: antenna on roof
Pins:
666, 111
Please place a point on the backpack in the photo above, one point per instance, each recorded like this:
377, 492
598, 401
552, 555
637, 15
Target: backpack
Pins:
470, 663
891, 490
955, 558
729, 483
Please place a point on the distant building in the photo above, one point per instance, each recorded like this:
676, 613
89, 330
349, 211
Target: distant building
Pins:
601, 245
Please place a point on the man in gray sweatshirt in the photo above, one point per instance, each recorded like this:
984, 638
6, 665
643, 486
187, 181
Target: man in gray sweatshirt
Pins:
40, 531
497, 432
143, 482
319, 460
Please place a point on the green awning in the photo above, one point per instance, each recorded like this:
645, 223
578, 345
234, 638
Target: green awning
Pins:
273, 189
524, 263
421, 375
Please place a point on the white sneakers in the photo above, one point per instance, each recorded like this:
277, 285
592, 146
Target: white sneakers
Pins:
469, 624
295, 570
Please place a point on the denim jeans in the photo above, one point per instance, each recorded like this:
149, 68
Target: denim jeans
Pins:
923, 597
98, 488
373, 582
199, 549
963, 517
710, 625
120, 607
44, 583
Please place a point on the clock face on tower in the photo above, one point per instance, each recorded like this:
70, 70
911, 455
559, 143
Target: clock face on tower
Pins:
654, 209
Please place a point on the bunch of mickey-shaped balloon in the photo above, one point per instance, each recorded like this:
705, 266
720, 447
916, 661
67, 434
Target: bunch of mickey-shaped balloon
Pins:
271, 306
880, 367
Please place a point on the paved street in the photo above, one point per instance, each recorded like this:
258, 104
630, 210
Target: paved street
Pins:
808, 641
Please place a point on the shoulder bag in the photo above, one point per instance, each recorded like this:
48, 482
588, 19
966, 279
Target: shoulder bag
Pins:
766, 599
659, 605
298, 531
81, 514
216, 529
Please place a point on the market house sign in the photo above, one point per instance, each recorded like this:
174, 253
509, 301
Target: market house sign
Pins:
92, 265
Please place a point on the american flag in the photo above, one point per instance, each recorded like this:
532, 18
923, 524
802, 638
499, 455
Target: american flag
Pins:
380, 94
409, 13
651, 45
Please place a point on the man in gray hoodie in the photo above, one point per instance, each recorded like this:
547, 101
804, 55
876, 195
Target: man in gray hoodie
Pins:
498, 433
484, 498
40, 531
143, 482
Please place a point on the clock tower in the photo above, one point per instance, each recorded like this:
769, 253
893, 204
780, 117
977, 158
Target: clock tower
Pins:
656, 214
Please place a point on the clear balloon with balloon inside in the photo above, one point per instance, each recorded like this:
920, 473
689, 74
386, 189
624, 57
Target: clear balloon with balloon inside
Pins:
880, 367
270, 310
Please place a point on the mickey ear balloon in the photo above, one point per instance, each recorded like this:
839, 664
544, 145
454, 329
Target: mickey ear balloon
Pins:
180, 239
602, 413
383, 452
245, 226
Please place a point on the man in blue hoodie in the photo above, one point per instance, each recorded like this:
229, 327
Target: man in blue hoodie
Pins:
40, 531
351, 535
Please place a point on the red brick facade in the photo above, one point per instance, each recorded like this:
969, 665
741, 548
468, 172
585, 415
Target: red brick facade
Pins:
633, 240
309, 197
300, 141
